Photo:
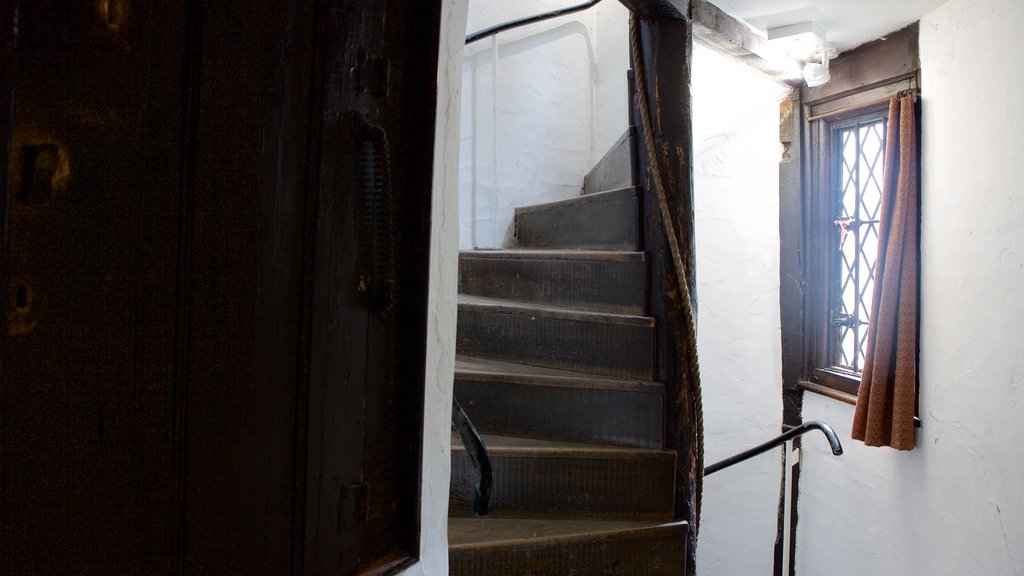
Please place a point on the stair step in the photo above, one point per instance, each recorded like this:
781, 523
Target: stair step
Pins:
500, 547
616, 169
600, 280
535, 402
538, 478
596, 342
601, 221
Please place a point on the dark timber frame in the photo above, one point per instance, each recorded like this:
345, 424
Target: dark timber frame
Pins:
666, 37
668, 29
860, 78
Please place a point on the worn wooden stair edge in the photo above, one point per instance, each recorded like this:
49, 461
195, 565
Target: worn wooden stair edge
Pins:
535, 478
616, 169
625, 193
466, 533
487, 370
602, 221
557, 254
600, 280
534, 402
586, 547
519, 308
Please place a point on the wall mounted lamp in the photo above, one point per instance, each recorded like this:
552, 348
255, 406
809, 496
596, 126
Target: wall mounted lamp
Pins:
805, 44
816, 73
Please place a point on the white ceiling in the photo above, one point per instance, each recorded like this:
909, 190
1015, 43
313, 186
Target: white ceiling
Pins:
848, 23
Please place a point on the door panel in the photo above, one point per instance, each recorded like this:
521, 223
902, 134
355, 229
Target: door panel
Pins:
191, 378
88, 285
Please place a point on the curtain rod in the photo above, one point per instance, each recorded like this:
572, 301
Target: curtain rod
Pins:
911, 91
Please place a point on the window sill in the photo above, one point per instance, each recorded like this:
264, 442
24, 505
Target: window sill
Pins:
837, 379
840, 396
828, 392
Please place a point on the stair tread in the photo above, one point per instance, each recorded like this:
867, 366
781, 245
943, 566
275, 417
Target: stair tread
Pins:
486, 370
529, 308
610, 195
613, 281
558, 254
471, 532
516, 446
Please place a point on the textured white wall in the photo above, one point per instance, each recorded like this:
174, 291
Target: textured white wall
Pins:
555, 107
736, 190
611, 91
955, 504
443, 285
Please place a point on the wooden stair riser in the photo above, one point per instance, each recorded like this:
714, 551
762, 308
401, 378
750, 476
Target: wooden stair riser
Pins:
617, 169
565, 413
617, 286
635, 485
659, 551
583, 345
604, 221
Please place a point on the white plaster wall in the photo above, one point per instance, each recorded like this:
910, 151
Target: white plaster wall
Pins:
531, 132
611, 114
955, 504
736, 190
440, 365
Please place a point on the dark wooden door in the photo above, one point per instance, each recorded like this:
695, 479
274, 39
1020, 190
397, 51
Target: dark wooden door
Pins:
194, 376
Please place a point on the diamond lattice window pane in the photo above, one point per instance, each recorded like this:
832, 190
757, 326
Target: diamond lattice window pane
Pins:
860, 162
849, 278
849, 178
847, 347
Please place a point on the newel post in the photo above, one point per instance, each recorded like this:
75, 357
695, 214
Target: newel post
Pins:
666, 43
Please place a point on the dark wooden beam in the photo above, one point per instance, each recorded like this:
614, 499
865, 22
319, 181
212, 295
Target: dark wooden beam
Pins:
657, 9
665, 50
888, 60
730, 36
791, 300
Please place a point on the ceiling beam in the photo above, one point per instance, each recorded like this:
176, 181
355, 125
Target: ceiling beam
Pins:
732, 37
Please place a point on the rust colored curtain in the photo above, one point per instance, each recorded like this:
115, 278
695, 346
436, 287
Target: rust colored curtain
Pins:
887, 399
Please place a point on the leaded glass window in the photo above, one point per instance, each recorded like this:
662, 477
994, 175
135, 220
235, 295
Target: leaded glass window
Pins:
858, 161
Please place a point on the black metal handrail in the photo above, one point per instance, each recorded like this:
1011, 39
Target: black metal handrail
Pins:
800, 430
477, 455
488, 32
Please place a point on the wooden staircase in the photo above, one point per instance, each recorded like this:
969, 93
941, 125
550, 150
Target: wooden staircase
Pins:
555, 367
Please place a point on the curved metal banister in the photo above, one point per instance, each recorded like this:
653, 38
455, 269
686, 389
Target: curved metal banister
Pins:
800, 430
477, 455
488, 32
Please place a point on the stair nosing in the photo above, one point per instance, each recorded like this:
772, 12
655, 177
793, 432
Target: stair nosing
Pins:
522, 308
563, 449
606, 196
505, 373
653, 525
556, 254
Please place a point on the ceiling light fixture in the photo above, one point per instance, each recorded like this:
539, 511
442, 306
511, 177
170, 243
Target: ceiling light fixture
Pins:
805, 43
816, 74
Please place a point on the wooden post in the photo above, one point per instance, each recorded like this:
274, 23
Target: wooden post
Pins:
666, 47
791, 297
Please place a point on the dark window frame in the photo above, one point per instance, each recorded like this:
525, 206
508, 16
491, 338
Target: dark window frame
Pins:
821, 258
862, 80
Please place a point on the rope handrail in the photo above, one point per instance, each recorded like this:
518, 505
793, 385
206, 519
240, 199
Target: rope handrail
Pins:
691, 366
